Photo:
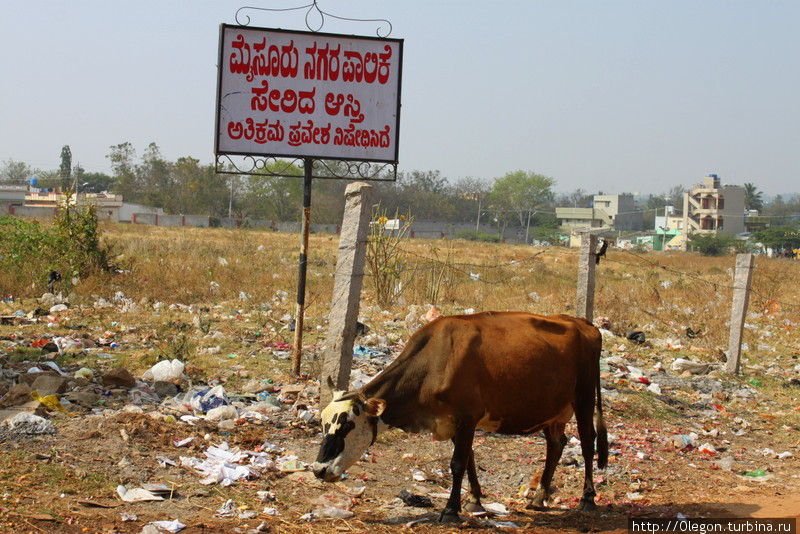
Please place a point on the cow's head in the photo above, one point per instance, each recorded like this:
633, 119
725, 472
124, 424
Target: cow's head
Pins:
350, 424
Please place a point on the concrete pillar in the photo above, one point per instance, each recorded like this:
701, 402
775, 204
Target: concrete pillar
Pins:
741, 298
337, 354
584, 305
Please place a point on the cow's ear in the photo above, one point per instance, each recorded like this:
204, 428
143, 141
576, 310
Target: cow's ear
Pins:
375, 407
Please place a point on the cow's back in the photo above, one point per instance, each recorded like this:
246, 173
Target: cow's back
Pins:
512, 371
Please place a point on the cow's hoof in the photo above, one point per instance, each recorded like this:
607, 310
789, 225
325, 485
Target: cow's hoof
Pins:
587, 505
474, 507
537, 502
449, 516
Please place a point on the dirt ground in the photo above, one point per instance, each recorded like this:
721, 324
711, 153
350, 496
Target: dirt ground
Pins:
175, 304
65, 482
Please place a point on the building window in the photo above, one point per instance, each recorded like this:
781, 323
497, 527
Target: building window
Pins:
721, 203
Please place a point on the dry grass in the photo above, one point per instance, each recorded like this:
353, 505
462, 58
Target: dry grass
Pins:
660, 293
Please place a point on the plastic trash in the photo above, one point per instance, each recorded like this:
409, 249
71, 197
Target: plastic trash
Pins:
137, 494
726, 463
637, 336
84, 372
27, 424
361, 350
495, 508
184, 441
683, 442
269, 399
655, 388
707, 448
168, 526
50, 402
681, 365
417, 501
221, 413
164, 370
228, 509
208, 399
333, 512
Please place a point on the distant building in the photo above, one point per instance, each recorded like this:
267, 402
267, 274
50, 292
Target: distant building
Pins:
712, 207
44, 204
670, 221
608, 211
11, 196
128, 210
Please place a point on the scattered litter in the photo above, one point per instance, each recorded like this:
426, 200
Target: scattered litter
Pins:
164, 371
332, 512
503, 524
208, 399
418, 501
168, 526
25, 424
707, 448
495, 508
137, 494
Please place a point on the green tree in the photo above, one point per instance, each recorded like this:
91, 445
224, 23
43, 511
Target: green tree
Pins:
715, 244
155, 178
123, 168
65, 169
753, 197
520, 193
14, 172
274, 198
577, 199
95, 182
779, 237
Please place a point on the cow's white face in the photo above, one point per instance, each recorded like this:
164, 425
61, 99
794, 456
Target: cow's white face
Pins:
349, 426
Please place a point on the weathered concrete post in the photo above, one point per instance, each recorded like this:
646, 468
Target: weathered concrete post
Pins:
741, 298
584, 305
337, 354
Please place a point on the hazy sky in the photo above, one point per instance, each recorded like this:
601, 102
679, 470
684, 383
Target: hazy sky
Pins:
614, 96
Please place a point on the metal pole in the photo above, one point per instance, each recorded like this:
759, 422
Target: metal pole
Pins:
230, 199
297, 349
478, 224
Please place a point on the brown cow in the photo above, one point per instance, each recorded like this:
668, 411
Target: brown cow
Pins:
503, 372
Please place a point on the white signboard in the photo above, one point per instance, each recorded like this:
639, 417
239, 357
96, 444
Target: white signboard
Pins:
290, 93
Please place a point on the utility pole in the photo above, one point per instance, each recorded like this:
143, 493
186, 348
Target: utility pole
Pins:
478, 224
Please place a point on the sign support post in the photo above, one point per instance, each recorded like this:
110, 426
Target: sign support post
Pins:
302, 268
324, 100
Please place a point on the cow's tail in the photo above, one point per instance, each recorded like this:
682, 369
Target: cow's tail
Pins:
600, 426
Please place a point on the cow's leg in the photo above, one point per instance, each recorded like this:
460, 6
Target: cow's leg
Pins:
584, 412
462, 449
474, 504
555, 439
